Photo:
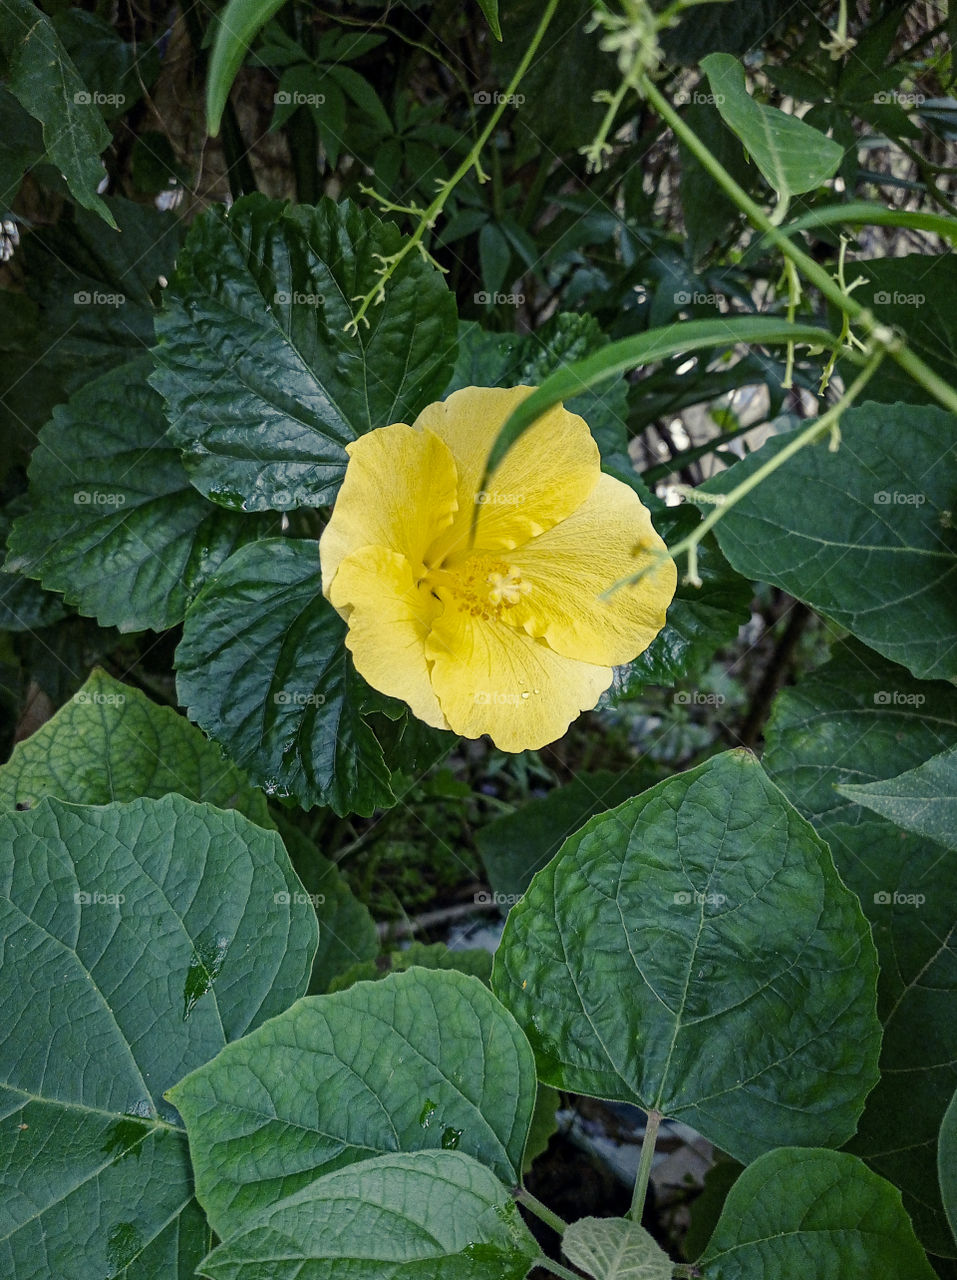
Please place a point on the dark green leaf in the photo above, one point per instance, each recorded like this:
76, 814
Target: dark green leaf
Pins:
792, 157
871, 543
448, 1218
813, 1213
420, 1061
693, 951
113, 521
923, 799
490, 9
263, 384
41, 76
128, 931
263, 668
110, 742
237, 27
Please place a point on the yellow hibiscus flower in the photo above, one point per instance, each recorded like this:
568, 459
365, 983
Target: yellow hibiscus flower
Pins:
504, 633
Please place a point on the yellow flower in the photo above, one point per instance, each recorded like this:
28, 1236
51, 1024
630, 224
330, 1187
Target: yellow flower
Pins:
506, 634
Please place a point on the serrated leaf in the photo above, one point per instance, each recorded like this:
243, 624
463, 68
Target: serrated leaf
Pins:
923, 800
41, 76
871, 544
693, 951
263, 668
448, 1218
856, 719
792, 156
615, 1249
113, 521
110, 742
264, 386
820, 1213
127, 931
420, 1061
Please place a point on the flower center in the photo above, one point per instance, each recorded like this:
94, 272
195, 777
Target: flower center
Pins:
482, 585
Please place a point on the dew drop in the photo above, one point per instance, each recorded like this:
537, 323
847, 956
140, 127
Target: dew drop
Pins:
450, 1138
526, 694
427, 1112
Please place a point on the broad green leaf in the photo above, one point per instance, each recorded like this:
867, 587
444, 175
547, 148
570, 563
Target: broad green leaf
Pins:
922, 799
645, 348
693, 951
700, 619
813, 1213
793, 157
113, 521
264, 386
420, 1061
24, 605
433, 1215
947, 1164
915, 294
237, 26
856, 719
471, 960
615, 1249
41, 76
110, 742
263, 668
127, 935
871, 543
516, 845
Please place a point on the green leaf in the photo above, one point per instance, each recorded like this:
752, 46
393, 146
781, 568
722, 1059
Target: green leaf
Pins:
615, 1249
420, 1061
237, 26
644, 348
41, 76
24, 605
516, 845
264, 387
792, 157
110, 742
128, 930
871, 543
433, 1215
820, 1213
490, 9
947, 1164
700, 619
694, 951
114, 523
856, 719
922, 799
263, 668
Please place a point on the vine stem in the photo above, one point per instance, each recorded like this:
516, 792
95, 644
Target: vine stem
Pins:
429, 215
880, 334
542, 1211
827, 422
644, 1165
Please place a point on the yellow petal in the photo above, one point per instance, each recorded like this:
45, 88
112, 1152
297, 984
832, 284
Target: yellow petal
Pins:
547, 473
389, 619
491, 678
567, 568
399, 492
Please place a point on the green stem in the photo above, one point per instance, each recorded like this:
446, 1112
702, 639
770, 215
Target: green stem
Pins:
644, 1165
541, 1211
428, 217
880, 334
556, 1268
827, 422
